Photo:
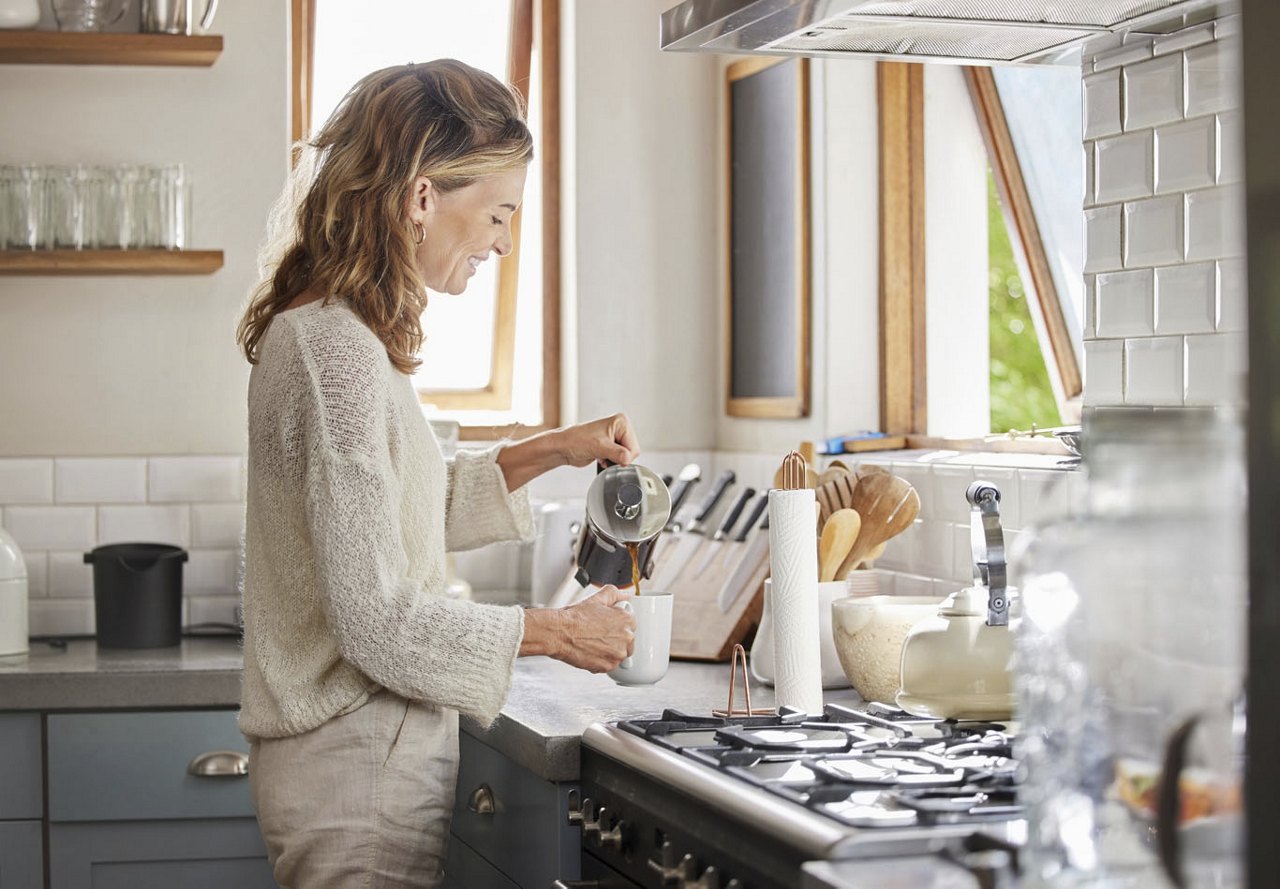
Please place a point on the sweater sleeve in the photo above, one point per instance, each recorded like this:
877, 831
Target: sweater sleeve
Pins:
455, 654
478, 508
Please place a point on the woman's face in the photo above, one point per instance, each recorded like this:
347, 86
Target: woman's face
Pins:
463, 227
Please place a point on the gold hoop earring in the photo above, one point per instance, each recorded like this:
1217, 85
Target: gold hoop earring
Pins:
419, 233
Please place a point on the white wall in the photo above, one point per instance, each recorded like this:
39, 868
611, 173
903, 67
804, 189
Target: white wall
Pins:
145, 365
640, 224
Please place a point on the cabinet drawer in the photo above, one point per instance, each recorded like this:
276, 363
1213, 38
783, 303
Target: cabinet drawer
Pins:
21, 854
122, 766
20, 791
526, 836
465, 869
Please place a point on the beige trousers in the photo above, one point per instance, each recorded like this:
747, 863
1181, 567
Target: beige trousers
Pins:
362, 801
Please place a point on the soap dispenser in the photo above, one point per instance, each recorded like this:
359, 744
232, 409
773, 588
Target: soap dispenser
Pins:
13, 597
957, 664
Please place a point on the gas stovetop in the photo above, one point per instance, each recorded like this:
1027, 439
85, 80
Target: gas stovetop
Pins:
877, 767
764, 793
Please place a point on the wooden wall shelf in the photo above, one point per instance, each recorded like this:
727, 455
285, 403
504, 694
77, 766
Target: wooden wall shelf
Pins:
72, 48
110, 262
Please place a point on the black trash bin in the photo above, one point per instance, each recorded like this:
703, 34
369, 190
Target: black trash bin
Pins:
137, 594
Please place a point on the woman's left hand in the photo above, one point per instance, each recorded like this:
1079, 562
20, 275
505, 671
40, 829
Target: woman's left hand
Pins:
608, 439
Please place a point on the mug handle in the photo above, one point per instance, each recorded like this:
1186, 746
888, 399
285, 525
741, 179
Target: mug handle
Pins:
625, 605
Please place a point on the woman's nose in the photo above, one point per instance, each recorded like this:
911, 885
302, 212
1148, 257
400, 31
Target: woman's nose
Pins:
503, 245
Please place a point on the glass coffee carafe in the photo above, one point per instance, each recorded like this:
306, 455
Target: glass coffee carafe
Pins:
1131, 659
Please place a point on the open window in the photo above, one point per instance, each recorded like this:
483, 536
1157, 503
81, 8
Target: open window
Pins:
491, 356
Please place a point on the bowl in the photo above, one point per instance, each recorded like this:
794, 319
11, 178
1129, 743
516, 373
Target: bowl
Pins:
868, 632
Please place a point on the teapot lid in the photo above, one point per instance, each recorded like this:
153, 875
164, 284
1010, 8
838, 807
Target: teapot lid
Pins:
628, 504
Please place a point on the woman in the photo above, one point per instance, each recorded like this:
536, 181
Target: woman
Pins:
356, 665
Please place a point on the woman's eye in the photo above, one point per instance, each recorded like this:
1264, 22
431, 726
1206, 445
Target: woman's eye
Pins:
495, 220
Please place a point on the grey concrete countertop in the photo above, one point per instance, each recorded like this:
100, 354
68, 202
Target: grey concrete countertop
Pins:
198, 672
551, 704
541, 726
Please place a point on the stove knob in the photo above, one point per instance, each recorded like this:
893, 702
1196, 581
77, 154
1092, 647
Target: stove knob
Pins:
590, 824
710, 879
611, 838
667, 865
575, 809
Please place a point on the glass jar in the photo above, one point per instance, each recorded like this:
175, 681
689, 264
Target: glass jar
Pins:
1133, 633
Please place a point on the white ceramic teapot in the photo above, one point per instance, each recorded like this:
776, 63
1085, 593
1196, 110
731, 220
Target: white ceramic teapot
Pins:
957, 664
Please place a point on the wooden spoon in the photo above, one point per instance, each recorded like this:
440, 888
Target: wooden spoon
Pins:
887, 505
836, 493
838, 536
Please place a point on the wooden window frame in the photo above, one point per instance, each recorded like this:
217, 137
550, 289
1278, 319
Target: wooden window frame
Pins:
903, 383
535, 24
1061, 360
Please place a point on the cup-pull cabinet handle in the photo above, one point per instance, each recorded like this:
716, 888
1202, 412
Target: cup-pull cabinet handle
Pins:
482, 801
219, 764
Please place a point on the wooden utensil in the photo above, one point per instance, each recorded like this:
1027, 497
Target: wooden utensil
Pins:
838, 536
888, 505
835, 493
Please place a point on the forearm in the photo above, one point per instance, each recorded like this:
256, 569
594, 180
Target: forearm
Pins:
523, 461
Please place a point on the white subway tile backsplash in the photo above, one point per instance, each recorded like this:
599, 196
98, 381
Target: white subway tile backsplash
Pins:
961, 553
145, 524
920, 476
1090, 307
1104, 372
1233, 306
1125, 304
1184, 39
37, 563
212, 609
1128, 54
935, 546
1230, 147
175, 479
1228, 26
51, 527
61, 617
210, 571
1102, 243
100, 479
1125, 167
1215, 369
217, 525
1153, 232
1089, 189
1153, 92
1212, 78
901, 553
950, 482
1154, 371
1215, 223
1102, 104
1044, 495
26, 480
69, 576
1186, 298
1186, 155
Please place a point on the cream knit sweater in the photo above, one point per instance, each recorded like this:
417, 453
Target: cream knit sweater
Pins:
351, 508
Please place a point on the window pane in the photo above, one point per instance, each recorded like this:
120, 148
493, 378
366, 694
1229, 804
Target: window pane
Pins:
354, 37
1042, 107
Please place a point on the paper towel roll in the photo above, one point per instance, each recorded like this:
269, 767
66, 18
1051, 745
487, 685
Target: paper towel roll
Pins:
793, 562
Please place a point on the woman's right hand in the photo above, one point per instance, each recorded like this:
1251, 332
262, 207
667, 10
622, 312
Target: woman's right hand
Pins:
596, 635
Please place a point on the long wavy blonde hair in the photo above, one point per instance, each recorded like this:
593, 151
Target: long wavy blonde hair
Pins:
341, 225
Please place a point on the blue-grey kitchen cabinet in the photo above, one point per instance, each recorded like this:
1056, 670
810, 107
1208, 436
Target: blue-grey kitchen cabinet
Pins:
509, 825
21, 802
125, 812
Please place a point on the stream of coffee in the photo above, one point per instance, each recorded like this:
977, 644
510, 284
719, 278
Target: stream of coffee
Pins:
634, 549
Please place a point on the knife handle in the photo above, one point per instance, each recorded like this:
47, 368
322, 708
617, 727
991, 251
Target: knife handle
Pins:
756, 511
679, 492
732, 518
723, 480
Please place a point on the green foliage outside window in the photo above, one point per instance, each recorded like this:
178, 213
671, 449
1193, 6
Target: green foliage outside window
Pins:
1020, 391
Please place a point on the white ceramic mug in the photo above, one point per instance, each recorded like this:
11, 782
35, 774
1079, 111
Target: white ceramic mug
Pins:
648, 661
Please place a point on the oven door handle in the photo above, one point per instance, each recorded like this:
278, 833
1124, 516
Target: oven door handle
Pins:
576, 884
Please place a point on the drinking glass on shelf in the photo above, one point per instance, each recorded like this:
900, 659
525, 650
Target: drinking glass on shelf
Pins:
120, 230
68, 196
25, 190
176, 191
88, 15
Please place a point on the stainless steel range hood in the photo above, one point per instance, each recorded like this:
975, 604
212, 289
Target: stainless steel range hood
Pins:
980, 32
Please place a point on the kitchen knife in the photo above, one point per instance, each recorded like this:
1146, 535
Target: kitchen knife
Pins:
733, 547
726, 528
756, 552
691, 538
681, 489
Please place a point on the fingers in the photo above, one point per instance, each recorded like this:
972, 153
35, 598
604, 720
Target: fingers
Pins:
611, 595
625, 437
